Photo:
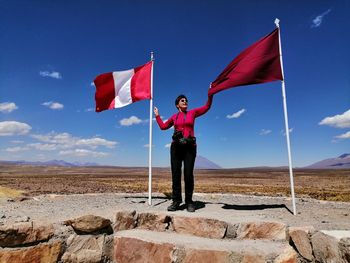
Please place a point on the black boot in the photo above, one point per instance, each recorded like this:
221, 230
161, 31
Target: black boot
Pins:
174, 206
191, 207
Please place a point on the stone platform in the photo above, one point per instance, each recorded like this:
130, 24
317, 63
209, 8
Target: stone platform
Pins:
165, 237
124, 228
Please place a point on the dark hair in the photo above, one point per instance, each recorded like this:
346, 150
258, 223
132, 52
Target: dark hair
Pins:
179, 98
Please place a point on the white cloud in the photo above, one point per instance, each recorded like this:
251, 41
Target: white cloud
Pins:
265, 132
69, 145
42, 138
167, 145
53, 105
83, 153
66, 141
10, 128
7, 107
90, 109
337, 121
147, 145
236, 114
95, 142
43, 146
130, 121
52, 74
16, 149
343, 136
317, 21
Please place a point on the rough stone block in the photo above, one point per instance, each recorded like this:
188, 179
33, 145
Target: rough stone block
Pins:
125, 220
43, 253
206, 256
108, 249
301, 241
128, 250
325, 248
25, 233
202, 227
287, 256
344, 247
253, 257
89, 223
87, 249
262, 230
154, 222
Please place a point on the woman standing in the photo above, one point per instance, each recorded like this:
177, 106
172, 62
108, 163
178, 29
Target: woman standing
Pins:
183, 148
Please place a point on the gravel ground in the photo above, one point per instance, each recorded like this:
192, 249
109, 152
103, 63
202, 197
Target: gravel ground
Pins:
323, 215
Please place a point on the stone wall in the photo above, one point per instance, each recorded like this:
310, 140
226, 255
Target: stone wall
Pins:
152, 237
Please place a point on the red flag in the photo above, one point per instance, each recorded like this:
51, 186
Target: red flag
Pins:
258, 63
120, 88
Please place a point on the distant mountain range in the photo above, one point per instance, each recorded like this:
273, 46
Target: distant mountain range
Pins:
201, 163
340, 162
51, 163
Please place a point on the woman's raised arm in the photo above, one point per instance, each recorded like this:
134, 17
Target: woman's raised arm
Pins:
161, 124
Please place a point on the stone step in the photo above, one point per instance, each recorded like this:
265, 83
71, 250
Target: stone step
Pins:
150, 246
200, 226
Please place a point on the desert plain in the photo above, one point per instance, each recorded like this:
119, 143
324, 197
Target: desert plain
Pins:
27, 180
57, 193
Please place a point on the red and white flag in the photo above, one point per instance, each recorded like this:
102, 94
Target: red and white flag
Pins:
258, 63
120, 88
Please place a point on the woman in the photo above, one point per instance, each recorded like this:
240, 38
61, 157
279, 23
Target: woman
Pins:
183, 148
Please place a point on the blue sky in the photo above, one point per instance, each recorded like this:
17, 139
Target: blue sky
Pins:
51, 51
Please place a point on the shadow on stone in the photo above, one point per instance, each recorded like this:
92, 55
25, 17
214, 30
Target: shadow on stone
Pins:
159, 203
199, 204
182, 207
165, 198
146, 197
256, 207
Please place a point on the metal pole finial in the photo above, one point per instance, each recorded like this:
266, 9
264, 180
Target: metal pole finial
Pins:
152, 56
277, 22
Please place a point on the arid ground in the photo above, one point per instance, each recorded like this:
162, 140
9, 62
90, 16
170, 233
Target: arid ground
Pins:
55, 194
15, 180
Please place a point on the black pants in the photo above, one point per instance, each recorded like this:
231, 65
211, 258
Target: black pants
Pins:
187, 154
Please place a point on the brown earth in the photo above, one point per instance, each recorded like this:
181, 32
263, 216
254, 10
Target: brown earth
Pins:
331, 185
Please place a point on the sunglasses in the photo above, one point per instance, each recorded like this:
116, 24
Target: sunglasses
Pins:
183, 100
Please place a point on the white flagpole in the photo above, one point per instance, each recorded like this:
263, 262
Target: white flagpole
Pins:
150, 138
286, 121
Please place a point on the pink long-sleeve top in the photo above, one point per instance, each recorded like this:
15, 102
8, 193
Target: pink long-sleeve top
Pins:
182, 123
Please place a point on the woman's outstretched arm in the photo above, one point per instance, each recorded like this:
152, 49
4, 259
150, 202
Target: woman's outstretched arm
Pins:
162, 125
202, 110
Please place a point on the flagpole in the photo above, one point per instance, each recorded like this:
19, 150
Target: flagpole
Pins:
150, 138
286, 120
